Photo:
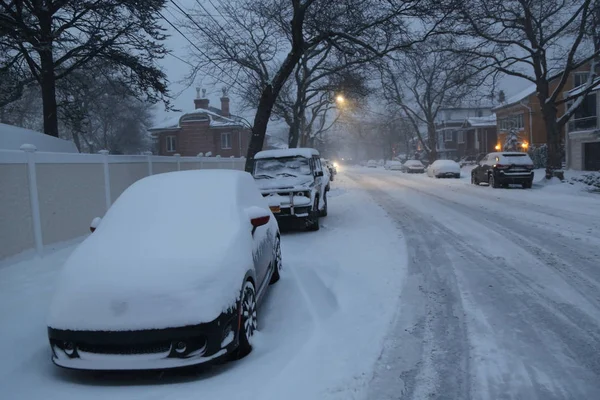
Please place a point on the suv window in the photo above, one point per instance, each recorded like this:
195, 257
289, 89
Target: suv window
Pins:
318, 167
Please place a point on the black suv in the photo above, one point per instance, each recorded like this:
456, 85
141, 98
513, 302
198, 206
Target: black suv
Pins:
503, 168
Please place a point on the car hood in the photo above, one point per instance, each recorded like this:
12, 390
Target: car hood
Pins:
133, 283
291, 183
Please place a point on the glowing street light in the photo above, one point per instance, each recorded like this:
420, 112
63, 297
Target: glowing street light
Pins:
340, 99
497, 147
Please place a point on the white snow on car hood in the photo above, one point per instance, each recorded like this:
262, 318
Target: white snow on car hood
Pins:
303, 182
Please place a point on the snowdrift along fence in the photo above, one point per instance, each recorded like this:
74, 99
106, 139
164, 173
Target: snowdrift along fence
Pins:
47, 198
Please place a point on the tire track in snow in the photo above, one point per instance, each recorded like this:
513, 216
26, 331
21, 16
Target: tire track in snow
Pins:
429, 327
540, 323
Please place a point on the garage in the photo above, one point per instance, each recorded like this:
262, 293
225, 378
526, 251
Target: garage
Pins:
592, 156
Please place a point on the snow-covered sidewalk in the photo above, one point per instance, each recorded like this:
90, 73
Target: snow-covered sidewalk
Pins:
321, 328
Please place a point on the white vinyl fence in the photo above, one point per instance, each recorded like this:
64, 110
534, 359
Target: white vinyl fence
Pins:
46, 198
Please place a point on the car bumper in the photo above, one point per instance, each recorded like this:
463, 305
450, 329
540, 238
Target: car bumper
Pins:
448, 175
145, 349
416, 171
514, 178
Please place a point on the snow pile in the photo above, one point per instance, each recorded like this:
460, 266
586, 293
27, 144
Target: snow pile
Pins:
12, 137
161, 257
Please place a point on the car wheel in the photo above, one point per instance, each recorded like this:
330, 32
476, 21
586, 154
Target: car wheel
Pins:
248, 319
528, 184
313, 220
324, 211
474, 180
276, 261
493, 183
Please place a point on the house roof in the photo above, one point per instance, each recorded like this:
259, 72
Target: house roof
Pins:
481, 121
517, 97
216, 120
12, 137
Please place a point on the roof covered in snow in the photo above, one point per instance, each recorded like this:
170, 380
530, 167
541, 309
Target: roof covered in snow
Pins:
12, 137
215, 120
298, 152
481, 121
517, 97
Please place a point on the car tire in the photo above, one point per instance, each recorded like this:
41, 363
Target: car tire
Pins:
528, 184
474, 180
277, 265
493, 182
313, 220
248, 319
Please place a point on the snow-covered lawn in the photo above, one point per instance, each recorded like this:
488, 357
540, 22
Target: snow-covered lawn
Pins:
322, 326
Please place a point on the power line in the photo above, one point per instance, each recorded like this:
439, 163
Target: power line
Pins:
199, 50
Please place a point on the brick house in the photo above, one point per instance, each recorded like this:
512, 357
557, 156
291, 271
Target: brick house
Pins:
522, 111
448, 126
204, 130
477, 135
583, 131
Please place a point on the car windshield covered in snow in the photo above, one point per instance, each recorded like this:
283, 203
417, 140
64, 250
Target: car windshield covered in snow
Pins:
413, 163
270, 168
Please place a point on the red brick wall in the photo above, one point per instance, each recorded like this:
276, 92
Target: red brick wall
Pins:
197, 137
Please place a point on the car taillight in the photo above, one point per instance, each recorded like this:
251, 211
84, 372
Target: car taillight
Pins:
502, 166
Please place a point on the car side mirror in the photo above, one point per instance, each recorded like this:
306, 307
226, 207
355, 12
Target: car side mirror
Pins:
94, 224
318, 173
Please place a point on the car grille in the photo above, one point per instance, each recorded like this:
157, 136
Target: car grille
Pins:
150, 348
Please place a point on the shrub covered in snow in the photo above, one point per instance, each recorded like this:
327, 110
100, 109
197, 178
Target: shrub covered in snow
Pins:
512, 141
539, 155
591, 179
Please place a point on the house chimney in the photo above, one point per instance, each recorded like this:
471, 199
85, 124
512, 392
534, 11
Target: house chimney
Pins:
225, 103
201, 102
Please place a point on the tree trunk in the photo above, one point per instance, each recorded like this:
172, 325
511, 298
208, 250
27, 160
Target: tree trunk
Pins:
432, 142
47, 78
553, 139
259, 127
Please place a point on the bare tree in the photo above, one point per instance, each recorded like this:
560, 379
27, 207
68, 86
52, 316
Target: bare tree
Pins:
45, 41
543, 42
263, 41
424, 80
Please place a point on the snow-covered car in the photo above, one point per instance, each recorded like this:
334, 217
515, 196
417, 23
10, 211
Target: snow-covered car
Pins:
414, 167
372, 164
444, 169
293, 178
331, 167
394, 165
171, 276
500, 169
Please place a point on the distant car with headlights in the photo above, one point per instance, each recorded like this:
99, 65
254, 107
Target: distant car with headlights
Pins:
444, 169
413, 167
294, 179
331, 167
501, 169
372, 164
157, 290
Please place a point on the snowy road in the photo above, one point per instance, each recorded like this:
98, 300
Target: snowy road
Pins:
414, 288
502, 296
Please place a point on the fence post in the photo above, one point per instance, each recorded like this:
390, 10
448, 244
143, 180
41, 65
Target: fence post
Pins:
233, 162
200, 156
107, 196
33, 198
148, 154
178, 161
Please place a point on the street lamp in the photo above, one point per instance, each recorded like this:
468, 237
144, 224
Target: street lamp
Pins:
340, 99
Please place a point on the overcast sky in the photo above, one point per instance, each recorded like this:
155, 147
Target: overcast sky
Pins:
176, 70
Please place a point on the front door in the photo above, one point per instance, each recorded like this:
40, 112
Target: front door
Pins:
591, 156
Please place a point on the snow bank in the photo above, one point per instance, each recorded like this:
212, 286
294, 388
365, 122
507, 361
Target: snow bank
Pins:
171, 251
298, 152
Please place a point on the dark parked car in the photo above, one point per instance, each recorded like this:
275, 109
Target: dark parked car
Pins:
503, 168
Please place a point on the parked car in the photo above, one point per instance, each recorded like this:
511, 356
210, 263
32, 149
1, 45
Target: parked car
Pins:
503, 168
468, 160
414, 167
294, 179
394, 165
179, 287
444, 169
331, 167
372, 164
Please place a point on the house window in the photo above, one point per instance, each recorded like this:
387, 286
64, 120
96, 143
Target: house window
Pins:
226, 140
585, 116
461, 136
171, 144
448, 136
579, 78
